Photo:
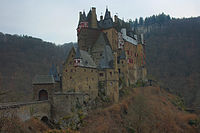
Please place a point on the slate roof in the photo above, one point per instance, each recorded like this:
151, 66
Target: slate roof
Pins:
78, 54
107, 22
43, 79
107, 14
87, 60
107, 58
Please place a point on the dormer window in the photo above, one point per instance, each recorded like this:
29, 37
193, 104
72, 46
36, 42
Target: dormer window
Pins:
77, 62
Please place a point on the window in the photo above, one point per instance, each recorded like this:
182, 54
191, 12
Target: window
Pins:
66, 70
70, 77
71, 70
101, 74
111, 83
79, 61
91, 70
43, 95
122, 62
119, 70
110, 73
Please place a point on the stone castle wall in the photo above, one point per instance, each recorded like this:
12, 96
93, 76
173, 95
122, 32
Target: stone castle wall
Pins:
25, 111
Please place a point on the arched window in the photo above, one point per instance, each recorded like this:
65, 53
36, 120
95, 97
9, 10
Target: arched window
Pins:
43, 95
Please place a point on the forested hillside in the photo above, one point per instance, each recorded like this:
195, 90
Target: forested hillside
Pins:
21, 58
173, 56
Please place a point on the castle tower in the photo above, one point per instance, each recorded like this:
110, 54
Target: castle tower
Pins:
93, 18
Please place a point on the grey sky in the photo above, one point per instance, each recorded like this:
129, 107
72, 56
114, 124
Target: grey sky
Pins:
56, 20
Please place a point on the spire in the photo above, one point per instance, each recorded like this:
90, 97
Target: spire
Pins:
107, 14
84, 15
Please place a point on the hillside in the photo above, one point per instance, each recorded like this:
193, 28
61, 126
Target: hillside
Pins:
142, 110
173, 57
21, 58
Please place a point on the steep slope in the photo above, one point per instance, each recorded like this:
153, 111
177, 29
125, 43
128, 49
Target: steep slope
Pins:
143, 110
173, 57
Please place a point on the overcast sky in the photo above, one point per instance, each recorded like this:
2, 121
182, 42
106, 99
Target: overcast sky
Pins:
56, 20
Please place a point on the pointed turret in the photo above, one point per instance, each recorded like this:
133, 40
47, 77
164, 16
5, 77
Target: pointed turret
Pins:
107, 22
107, 14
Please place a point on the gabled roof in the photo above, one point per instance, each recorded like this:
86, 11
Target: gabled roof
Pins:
43, 79
107, 58
101, 41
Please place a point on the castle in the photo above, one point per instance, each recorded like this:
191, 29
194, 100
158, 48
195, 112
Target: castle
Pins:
109, 55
